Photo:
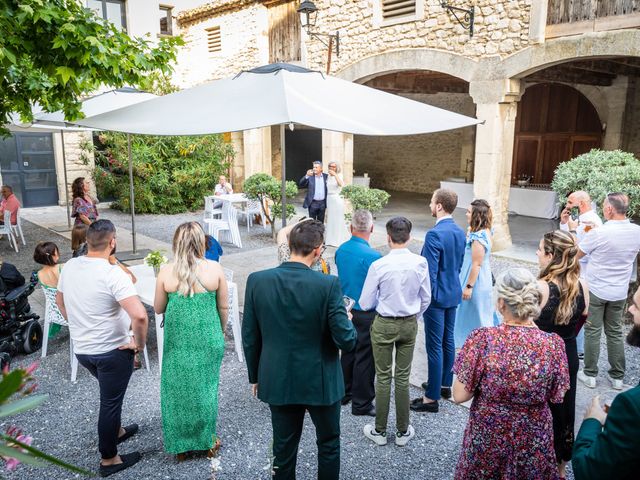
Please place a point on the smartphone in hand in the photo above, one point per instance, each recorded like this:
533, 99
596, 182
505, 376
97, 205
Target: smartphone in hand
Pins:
348, 302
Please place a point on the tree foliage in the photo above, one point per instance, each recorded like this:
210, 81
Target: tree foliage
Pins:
363, 198
599, 172
170, 174
268, 191
53, 52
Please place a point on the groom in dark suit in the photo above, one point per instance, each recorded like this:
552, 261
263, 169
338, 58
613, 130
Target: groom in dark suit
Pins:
444, 250
294, 324
316, 183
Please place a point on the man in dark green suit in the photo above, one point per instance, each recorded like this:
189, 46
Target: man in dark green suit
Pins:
608, 444
294, 322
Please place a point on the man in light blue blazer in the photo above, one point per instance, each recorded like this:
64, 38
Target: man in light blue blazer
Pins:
444, 250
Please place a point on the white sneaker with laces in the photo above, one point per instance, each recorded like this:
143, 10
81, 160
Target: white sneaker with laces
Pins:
376, 437
586, 379
403, 438
615, 384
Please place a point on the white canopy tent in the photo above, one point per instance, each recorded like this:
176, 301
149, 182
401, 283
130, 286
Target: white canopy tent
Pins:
96, 105
279, 94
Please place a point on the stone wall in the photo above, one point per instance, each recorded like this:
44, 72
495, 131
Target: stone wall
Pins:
416, 163
631, 133
245, 44
80, 162
501, 28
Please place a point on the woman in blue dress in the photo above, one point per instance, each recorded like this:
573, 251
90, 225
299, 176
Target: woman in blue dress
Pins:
476, 308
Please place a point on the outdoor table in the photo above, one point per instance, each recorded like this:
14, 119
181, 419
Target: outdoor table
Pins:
231, 197
146, 288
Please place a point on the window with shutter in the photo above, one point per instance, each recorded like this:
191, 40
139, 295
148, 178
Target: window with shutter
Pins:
214, 40
392, 9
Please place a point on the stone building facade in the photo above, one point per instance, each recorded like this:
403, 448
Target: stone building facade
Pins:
420, 51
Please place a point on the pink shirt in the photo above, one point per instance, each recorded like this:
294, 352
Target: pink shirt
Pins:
12, 204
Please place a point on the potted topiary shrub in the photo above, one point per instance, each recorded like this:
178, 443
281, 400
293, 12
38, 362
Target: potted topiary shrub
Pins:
599, 172
363, 198
267, 190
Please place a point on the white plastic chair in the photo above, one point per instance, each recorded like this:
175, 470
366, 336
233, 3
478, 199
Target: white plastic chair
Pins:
228, 274
227, 226
253, 208
209, 211
52, 315
234, 318
7, 230
17, 228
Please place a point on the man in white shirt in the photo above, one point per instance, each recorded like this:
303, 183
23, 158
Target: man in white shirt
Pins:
222, 188
612, 250
398, 288
587, 220
100, 303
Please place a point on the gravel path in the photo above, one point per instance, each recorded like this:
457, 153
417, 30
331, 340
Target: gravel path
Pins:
65, 425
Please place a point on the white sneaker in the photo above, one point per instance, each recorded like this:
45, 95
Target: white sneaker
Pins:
586, 379
376, 437
615, 384
403, 438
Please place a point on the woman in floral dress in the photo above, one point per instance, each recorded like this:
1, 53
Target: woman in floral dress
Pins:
84, 208
512, 372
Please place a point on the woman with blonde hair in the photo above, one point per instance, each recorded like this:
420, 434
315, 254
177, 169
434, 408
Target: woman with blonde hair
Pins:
476, 308
192, 293
336, 233
565, 299
512, 372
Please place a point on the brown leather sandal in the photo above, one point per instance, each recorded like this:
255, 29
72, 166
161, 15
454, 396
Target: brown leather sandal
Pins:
181, 457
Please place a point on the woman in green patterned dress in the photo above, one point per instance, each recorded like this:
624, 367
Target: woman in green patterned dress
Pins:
192, 294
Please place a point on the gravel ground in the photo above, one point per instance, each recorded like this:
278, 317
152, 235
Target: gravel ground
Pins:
162, 227
65, 425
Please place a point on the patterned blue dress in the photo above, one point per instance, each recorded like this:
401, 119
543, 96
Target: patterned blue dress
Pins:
478, 311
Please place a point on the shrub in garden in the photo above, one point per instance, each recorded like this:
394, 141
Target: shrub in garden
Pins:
268, 191
599, 172
170, 174
363, 198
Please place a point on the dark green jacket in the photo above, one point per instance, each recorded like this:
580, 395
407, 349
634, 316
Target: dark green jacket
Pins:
293, 324
612, 451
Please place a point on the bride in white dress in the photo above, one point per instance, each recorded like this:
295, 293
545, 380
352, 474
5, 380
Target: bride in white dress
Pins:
336, 231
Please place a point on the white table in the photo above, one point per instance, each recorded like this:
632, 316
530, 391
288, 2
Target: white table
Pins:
231, 197
146, 288
530, 202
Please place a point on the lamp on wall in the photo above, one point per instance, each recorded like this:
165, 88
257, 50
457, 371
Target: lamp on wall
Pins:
308, 14
467, 19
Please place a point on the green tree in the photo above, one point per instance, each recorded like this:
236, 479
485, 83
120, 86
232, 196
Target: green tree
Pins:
170, 174
53, 52
268, 191
599, 172
363, 198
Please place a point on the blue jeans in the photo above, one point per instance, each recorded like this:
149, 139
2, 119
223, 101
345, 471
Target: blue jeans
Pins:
441, 350
580, 341
113, 370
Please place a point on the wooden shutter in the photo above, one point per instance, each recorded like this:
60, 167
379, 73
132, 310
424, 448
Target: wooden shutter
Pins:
397, 8
214, 40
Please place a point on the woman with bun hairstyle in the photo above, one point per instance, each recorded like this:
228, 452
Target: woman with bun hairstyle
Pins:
511, 372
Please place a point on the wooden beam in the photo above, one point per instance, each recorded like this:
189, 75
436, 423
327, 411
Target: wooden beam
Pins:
579, 77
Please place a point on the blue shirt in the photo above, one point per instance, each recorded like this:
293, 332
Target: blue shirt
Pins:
318, 193
214, 250
353, 258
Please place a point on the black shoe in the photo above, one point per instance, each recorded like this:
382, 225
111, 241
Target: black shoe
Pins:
416, 401
432, 407
129, 431
345, 400
128, 460
371, 412
445, 392
581, 356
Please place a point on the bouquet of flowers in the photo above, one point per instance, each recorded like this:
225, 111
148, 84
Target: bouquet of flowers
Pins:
155, 259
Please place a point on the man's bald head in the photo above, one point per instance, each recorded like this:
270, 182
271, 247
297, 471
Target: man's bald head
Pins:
580, 199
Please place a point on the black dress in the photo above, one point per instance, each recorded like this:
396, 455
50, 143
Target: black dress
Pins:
564, 413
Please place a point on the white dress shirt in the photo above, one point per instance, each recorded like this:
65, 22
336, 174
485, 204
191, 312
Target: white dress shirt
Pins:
397, 285
586, 220
444, 218
612, 250
318, 194
220, 190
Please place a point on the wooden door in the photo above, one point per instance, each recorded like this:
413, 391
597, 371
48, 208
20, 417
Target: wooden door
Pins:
555, 123
284, 32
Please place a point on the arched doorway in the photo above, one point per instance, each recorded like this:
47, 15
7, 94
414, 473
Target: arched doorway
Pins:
555, 123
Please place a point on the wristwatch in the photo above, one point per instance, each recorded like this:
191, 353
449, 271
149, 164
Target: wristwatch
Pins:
469, 286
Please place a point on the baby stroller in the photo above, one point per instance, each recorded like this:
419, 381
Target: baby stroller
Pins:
20, 330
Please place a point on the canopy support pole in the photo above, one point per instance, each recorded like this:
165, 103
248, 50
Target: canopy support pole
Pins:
131, 196
284, 177
62, 228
